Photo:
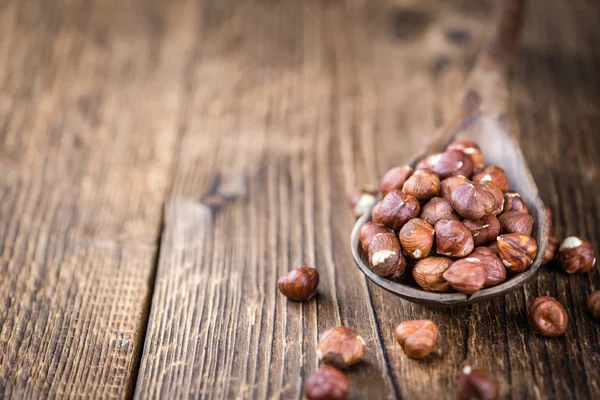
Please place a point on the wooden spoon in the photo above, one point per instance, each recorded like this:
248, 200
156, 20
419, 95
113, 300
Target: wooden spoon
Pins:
483, 116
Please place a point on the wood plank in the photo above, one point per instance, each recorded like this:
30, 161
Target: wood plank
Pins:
89, 103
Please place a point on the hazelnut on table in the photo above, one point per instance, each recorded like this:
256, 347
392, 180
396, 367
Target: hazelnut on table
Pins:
475, 383
417, 338
548, 316
593, 304
328, 383
341, 347
299, 284
576, 255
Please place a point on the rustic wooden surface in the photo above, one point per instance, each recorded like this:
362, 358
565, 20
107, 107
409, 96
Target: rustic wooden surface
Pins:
163, 162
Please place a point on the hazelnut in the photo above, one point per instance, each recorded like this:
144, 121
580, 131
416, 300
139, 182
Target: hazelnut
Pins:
475, 383
553, 243
394, 179
548, 316
385, 256
453, 239
484, 230
416, 238
423, 185
451, 163
472, 150
466, 275
516, 251
362, 200
494, 248
514, 202
493, 174
328, 383
368, 231
549, 218
428, 273
449, 184
472, 200
417, 338
593, 304
438, 209
498, 197
396, 209
576, 255
516, 222
341, 347
299, 284
429, 161
496, 273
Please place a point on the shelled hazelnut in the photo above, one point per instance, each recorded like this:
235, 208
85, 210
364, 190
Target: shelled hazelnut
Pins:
498, 197
475, 383
548, 316
449, 184
416, 238
396, 209
472, 150
593, 304
369, 230
341, 347
429, 274
494, 269
453, 239
451, 163
473, 200
385, 255
484, 230
466, 275
516, 222
516, 251
429, 161
328, 383
493, 174
299, 284
576, 255
417, 338
394, 179
514, 202
438, 209
362, 199
422, 185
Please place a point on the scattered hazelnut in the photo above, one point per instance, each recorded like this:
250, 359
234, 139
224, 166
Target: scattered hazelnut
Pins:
328, 383
453, 162
438, 209
498, 197
423, 185
593, 304
417, 338
553, 243
496, 273
475, 383
453, 239
493, 174
394, 179
516, 222
368, 231
396, 209
299, 284
449, 184
429, 161
576, 255
548, 316
385, 256
341, 347
362, 200
549, 218
416, 238
484, 230
428, 273
472, 200
514, 202
472, 150
466, 275
517, 251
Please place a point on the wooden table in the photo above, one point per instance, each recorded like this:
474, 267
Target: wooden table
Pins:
163, 162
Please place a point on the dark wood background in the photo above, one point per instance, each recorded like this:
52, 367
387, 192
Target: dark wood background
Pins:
163, 162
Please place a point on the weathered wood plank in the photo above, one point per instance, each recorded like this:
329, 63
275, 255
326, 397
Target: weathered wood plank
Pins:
88, 124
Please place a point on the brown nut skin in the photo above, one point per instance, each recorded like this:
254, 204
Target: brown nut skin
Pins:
341, 347
472, 150
496, 273
551, 248
362, 199
299, 284
368, 231
514, 202
396, 209
416, 238
422, 185
472, 200
394, 179
475, 383
516, 222
449, 184
451, 163
385, 256
548, 316
593, 304
466, 275
428, 162
438, 209
328, 383
576, 255
484, 230
453, 239
516, 251
428, 273
493, 174
498, 197
417, 338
